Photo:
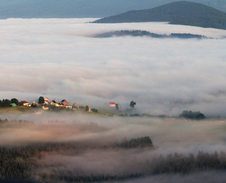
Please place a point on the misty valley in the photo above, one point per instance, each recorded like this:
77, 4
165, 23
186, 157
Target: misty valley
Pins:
172, 131
67, 147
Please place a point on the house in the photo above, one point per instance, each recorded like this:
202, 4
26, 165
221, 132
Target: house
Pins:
94, 110
112, 104
25, 103
59, 105
63, 102
46, 101
53, 102
68, 106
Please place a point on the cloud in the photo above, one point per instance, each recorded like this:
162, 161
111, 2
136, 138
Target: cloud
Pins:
168, 135
56, 57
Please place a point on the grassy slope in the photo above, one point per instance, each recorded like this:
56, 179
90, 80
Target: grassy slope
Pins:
16, 110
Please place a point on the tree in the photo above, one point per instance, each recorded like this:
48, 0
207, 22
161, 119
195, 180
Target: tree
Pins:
34, 105
192, 115
87, 108
94, 110
20, 103
5, 103
132, 104
41, 100
15, 101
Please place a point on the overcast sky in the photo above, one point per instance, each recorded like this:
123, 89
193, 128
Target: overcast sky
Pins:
58, 58
83, 8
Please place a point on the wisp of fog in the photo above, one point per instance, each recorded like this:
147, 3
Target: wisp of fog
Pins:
91, 140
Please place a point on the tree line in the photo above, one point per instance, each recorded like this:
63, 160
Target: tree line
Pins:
192, 115
7, 102
136, 142
171, 164
18, 164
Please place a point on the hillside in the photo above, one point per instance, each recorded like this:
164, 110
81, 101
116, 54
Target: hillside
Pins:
83, 8
185, 13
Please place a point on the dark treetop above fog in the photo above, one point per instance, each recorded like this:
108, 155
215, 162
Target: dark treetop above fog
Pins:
83, 8
185, 13
139, 33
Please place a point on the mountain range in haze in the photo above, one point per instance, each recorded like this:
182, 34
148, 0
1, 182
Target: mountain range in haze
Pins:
83, 8
183, 13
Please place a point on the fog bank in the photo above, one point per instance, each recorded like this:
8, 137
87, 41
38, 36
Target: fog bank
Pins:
169, 135
57, 58
72, 144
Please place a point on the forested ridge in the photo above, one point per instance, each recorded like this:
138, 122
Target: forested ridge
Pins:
182, 12
141, 33
18, 164
44, 161
82, 8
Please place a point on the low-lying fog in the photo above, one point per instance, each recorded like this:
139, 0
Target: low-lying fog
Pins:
58, 58
169, 136
208, 177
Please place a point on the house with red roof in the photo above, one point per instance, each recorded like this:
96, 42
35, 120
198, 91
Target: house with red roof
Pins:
63, 102
112, 104
46, 101
25, 103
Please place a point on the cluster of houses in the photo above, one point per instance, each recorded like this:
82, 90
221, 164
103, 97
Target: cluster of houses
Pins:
52, 103
47, 104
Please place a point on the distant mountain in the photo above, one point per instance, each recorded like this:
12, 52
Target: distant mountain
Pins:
139, 33
83, 8
185, 13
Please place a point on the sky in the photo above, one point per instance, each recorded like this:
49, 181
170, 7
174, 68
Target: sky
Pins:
83, 8
59, 59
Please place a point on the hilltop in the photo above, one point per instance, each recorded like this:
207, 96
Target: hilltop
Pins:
82, 8
182, 12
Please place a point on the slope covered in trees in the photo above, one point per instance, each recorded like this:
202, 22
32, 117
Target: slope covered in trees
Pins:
20, 164
62, 159
185, 13
140, 33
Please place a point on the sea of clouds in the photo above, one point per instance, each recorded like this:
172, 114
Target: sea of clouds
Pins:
59, 58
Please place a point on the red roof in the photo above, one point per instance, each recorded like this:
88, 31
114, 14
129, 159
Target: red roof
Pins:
112, 103
63, 102
24, 102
